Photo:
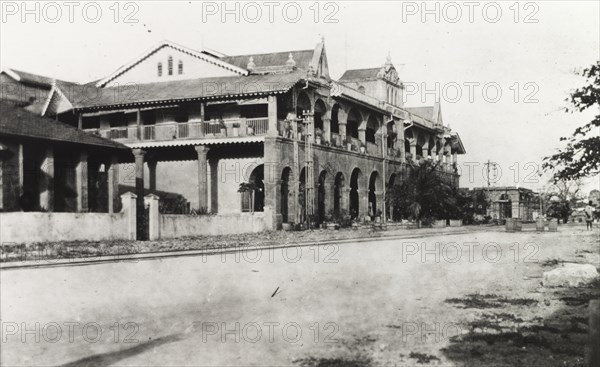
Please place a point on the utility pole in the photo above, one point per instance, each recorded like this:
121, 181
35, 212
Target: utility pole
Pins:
309, 181
489, 164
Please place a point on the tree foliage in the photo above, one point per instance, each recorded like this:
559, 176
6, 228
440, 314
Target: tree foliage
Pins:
425, 195
581, 155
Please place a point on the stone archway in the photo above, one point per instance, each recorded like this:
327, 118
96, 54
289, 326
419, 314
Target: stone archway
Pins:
374, 191
390, 210
320, 112
253, 196
335, 119
302, 104
321, 196
338, 194
354, 195
353, 123
285, 193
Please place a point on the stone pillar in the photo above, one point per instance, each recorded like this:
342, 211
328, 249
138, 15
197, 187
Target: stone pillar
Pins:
440, 153
327, 128
425, 150
81, 173
380, 204
273, 204
151, 201
363, 203
113, 183
139, 189
202, 151
345, 199
362, 135
413, 149
272, 113
455, 158
128, 204
152, 173
329, 196
46, 184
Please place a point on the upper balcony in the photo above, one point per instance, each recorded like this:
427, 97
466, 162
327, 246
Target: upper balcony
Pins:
239, 127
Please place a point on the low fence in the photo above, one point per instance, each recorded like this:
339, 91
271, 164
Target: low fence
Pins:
30, 227
163, 226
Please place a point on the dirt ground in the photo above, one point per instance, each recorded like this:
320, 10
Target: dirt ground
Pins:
474, 300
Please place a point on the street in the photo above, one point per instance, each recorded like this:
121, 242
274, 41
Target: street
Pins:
370, 303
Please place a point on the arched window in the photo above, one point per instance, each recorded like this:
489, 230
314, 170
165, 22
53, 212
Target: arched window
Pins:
160, 69
170, 65
180, 67
361, 89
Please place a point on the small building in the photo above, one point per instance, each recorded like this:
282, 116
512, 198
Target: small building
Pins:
511, 202
47, 165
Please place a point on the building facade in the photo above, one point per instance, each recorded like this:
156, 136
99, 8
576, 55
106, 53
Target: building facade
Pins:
271, 133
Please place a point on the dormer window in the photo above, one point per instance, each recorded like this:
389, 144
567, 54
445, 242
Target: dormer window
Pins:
170, 65
361, 89
160, 69
180, 67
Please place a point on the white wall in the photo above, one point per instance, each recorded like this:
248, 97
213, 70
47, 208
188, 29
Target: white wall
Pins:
173, 226
146, 70
29, 227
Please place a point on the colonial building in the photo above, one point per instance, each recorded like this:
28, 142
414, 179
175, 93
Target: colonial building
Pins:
201, 123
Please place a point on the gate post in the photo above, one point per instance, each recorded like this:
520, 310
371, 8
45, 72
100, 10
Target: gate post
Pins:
128, 205
151, 201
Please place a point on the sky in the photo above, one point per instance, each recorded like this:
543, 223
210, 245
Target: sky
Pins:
501, 70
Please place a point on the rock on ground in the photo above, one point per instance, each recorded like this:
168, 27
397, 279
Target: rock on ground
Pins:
570, 275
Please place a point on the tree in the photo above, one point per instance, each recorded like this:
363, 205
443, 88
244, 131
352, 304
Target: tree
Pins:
581, 156
424, 195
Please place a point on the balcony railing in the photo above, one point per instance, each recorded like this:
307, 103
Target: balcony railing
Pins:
186, 130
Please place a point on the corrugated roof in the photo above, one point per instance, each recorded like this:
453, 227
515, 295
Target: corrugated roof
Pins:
87, 97
16, 121
302, 58
360, 74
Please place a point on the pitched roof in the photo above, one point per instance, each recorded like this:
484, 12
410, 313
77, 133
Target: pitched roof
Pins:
425, 112
84, 97
360, 74
303, 58
15, 121
207, 56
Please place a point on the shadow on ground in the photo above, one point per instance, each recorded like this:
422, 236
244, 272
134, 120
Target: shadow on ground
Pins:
501, 338
107, 359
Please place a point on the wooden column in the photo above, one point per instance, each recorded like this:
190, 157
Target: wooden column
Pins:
46, 182
82, 182
113, 183
139, 190
202, 151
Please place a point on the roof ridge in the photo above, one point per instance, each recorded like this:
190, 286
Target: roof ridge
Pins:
269, 53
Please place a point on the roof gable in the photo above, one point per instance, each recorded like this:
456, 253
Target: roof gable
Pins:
197, 64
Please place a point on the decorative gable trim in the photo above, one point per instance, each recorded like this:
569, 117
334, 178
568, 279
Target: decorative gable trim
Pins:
202, 56
16, 77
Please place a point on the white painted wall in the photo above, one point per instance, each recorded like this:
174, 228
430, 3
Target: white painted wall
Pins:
193, 67
30, 227
173, 226
232, 172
